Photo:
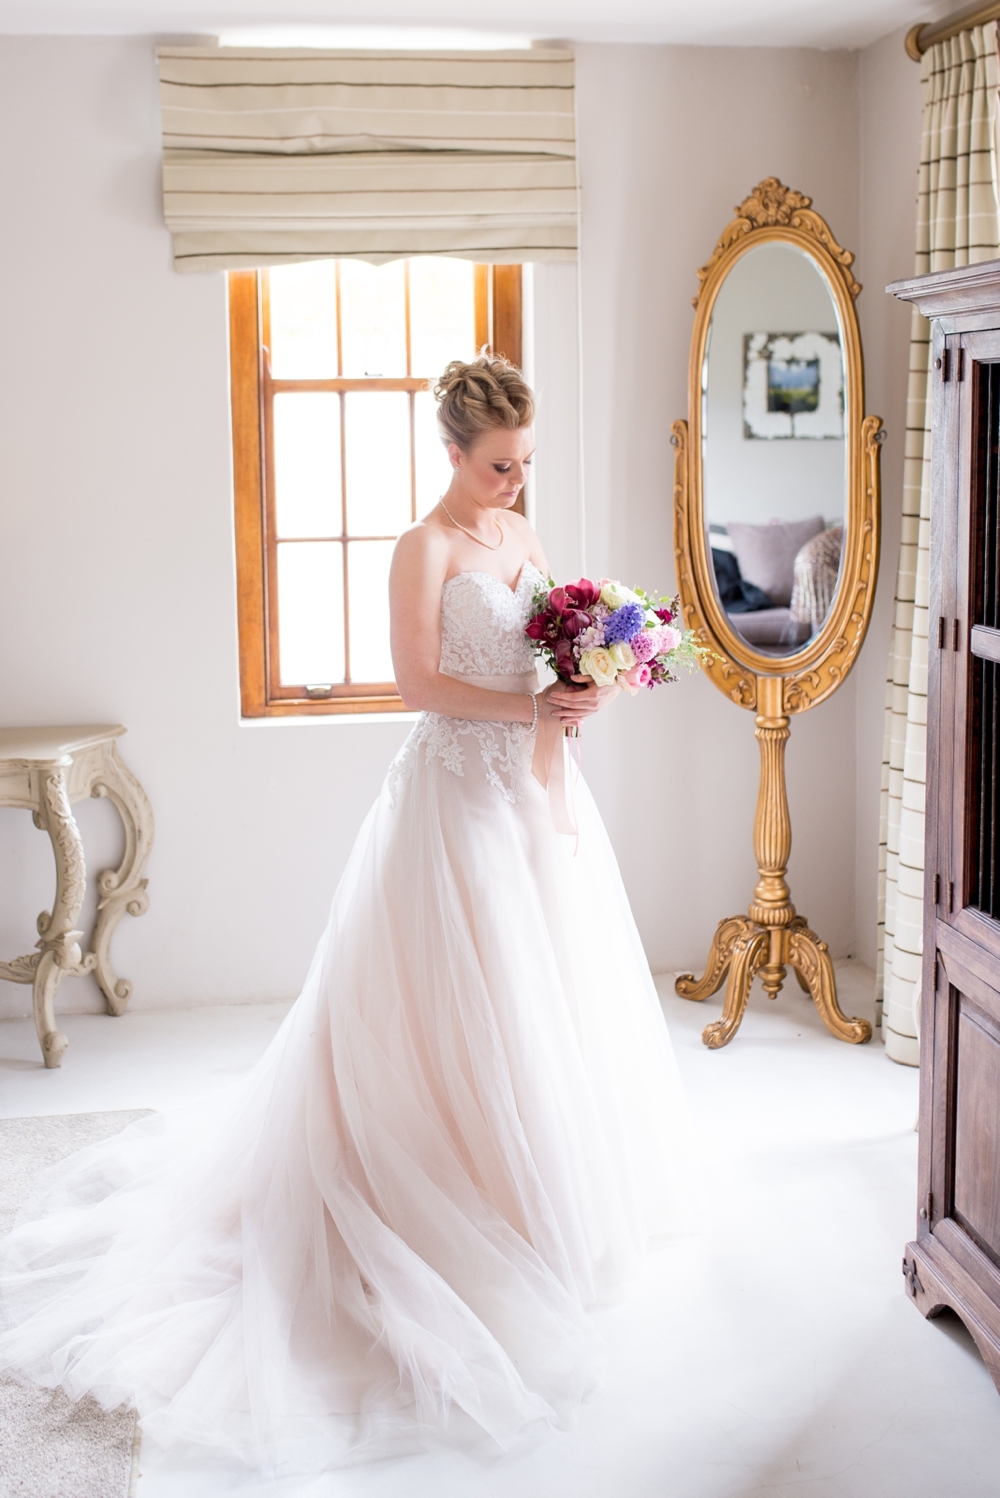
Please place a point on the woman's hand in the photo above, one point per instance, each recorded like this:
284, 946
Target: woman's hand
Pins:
569, 705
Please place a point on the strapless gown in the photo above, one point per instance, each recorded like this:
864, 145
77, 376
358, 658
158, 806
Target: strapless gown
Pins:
466, 1131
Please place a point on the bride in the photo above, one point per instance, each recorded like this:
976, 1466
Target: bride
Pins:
468, 1127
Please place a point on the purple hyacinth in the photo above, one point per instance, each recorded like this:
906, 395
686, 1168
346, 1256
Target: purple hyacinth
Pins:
624, 623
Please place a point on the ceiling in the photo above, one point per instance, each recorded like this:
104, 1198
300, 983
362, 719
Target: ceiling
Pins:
745, 23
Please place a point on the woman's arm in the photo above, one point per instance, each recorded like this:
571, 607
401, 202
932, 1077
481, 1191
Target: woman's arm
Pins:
570, 705
420, 565
419, 568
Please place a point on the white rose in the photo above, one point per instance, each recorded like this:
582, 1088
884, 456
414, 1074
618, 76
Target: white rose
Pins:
613, 595
622, 655
598, 665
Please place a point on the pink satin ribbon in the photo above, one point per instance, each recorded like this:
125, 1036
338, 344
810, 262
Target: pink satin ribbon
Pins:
548, 765
548, 762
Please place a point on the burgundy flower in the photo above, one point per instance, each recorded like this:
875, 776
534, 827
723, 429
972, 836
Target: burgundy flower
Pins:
583, 593
664, 616
558, 600
575, 621
543, 626
565, 664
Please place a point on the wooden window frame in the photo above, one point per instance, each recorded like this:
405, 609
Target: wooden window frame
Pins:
498, 327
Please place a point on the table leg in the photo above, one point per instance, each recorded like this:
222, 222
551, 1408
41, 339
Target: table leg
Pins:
123, 888
59, 941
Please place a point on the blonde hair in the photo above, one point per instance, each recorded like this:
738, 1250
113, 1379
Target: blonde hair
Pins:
474, 398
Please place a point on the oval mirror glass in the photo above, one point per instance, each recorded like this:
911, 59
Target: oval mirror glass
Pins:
773, 447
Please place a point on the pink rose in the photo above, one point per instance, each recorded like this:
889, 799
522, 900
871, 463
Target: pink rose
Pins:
639, 676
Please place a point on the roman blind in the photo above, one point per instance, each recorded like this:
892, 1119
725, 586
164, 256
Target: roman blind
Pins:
275, 156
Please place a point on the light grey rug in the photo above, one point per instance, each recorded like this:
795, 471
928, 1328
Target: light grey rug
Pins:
49, 1446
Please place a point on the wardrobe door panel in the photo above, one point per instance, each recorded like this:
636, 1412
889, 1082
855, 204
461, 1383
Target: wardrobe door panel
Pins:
977, 1127
950, 435
972, 897
966, 1171
955, 1258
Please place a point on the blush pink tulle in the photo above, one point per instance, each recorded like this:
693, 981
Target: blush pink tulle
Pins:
466, 1131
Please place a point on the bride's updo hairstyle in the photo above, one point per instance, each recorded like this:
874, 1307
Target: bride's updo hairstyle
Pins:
474, 398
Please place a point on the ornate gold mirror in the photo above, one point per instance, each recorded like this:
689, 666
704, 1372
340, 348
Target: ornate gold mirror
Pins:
776, 534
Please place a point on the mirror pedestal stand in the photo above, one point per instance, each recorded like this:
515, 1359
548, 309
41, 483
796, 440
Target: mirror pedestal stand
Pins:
771, 937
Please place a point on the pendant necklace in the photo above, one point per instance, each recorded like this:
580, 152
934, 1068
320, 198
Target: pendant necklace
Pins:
471, 534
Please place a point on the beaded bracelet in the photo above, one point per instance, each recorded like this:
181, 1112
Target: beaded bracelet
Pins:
534, 704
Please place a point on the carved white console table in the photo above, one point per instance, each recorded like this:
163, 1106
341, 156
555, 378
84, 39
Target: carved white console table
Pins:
45, 770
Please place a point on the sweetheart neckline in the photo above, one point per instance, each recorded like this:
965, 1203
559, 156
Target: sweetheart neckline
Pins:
477, 572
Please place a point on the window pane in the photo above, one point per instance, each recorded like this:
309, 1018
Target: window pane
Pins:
433, 468
372, 319
442, 314
368, 564
304, 321
377, 440
311, 612
307, 463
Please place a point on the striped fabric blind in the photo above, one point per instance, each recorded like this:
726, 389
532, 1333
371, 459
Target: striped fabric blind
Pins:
276, 156
957, 224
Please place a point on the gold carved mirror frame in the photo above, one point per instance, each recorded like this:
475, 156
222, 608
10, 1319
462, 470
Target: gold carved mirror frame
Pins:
772, 936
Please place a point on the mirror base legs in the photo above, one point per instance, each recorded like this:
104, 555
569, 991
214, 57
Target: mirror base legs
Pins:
720, 955
742, 950
771, 938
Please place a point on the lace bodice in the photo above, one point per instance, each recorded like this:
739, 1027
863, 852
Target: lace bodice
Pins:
482, 634
482, 624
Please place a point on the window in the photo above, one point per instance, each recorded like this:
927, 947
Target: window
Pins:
336, 451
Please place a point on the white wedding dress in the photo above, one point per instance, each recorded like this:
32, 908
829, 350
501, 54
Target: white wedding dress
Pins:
467, 1130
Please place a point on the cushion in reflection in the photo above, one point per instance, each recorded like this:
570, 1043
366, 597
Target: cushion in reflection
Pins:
817, 568
735, 593
770, 627
766, 553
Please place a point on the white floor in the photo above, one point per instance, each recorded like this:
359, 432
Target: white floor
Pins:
772, 1353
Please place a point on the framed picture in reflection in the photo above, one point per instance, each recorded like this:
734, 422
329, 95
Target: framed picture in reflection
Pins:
793, 387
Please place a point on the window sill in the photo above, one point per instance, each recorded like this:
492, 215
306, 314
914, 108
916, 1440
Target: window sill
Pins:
324, 720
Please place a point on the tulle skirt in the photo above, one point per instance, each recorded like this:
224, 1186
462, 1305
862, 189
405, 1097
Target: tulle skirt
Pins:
465, 1132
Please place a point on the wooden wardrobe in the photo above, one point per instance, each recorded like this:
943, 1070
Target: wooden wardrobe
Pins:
955, 1258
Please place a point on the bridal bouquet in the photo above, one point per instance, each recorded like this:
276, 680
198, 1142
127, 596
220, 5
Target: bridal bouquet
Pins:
615, 635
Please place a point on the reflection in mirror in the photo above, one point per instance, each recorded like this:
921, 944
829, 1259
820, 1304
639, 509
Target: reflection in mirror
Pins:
773, 448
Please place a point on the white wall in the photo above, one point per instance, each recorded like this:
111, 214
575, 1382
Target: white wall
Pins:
559, 519
671, 138
116, 535
117, 601
773, 289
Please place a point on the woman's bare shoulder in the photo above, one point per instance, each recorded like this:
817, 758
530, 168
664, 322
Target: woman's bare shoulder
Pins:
423, 548
525, 533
